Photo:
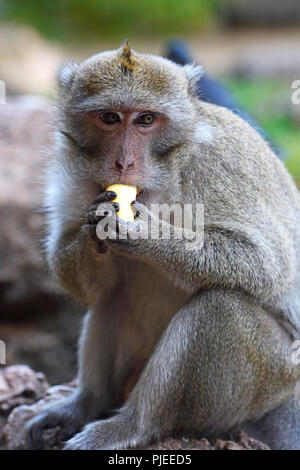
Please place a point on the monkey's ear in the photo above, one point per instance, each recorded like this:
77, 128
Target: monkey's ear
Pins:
66, 74
194, 73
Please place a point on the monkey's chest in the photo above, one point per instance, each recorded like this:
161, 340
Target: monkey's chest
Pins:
146, 301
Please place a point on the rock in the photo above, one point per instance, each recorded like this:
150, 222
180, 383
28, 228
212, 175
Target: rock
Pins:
24, 132
19, 386
18, 381
237, 441
13, 431
183, 443
42, 337
249, 443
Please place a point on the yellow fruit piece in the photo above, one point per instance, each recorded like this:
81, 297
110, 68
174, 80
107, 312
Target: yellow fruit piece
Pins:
125, 196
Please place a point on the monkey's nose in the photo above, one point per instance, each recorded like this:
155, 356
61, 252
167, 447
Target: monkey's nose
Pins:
124, 165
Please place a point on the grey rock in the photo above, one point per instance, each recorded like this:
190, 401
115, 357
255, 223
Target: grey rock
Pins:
38, 325
26, 408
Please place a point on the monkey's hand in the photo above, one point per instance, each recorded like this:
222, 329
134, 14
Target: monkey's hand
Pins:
101, 209
129, 238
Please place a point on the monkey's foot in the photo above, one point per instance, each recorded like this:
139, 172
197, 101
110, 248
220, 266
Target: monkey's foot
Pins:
113, 433
67, 414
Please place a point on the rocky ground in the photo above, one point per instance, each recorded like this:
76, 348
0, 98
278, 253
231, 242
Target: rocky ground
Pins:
24, 393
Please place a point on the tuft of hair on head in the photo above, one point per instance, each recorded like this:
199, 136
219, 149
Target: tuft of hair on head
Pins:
125, 57
193, 72
126, 51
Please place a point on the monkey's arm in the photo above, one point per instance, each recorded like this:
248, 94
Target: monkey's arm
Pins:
227, 258
73, 250
70, 261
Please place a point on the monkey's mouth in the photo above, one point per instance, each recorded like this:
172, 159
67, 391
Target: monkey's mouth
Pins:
139, 190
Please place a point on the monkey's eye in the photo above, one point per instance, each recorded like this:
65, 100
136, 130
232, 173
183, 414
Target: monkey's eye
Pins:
109, 118
145, 120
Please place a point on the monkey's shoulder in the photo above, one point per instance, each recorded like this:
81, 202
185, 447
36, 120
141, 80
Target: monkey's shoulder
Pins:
229, 129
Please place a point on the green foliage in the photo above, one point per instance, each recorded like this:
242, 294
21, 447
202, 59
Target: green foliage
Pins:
68, 19
266, 99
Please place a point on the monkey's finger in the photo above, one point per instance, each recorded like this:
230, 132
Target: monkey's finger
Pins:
139, 210
93, 217
91, 231
116, 205
106, 196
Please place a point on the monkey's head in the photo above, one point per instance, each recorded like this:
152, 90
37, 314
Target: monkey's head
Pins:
124, 113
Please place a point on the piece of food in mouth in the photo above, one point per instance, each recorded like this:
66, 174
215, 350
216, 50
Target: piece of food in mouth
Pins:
125, 196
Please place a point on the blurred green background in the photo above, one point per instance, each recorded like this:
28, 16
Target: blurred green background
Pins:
263, 98
66, 19
77, 25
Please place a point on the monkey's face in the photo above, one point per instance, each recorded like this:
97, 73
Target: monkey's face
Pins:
125, 143
126, 113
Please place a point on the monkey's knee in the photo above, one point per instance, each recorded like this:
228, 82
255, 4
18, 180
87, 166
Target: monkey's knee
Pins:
245, 357
217, 365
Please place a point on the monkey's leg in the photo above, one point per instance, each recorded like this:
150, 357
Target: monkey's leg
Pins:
280, 428
95, 393
220, 362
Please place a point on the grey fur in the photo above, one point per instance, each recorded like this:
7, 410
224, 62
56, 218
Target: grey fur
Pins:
211, 329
